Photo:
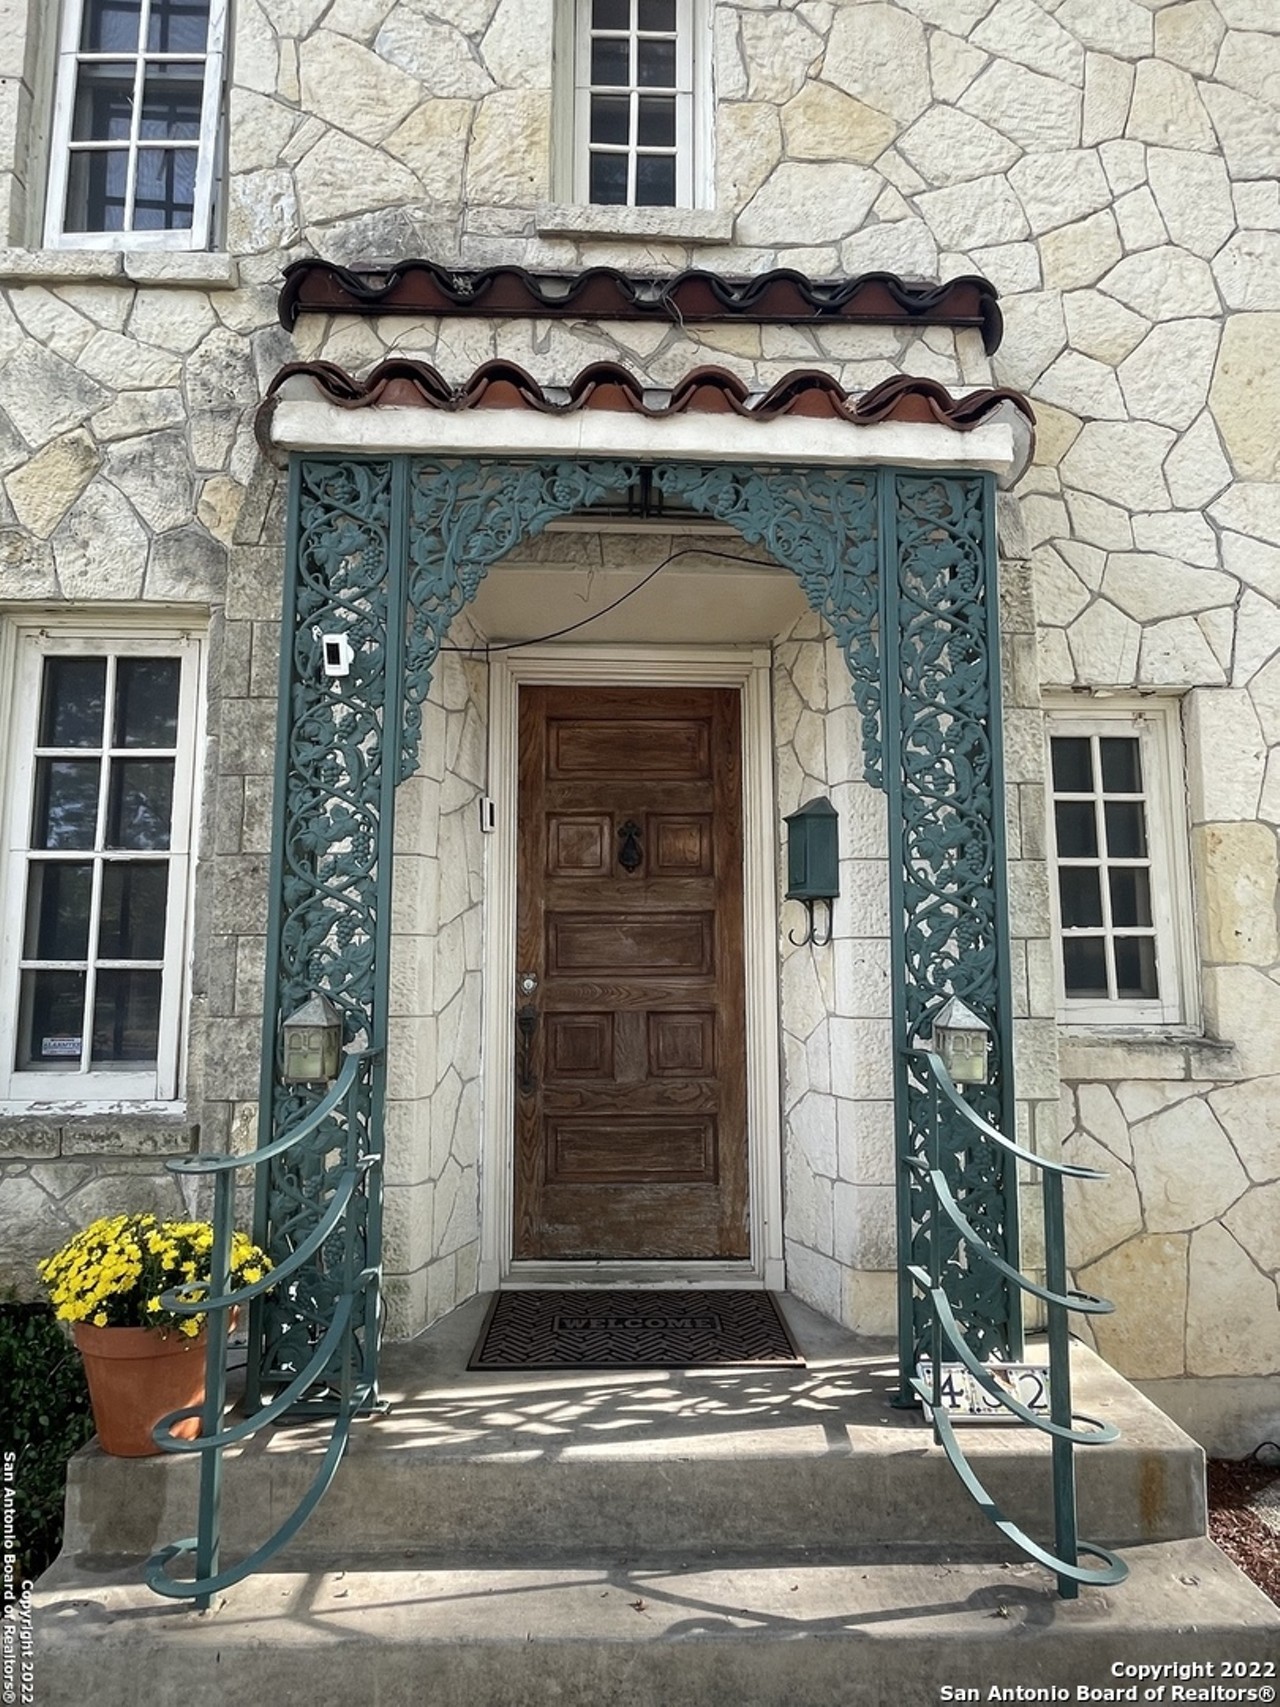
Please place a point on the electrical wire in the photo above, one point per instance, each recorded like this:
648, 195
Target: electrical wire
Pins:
558, 634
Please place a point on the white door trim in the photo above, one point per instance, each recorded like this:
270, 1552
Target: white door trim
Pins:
747, 669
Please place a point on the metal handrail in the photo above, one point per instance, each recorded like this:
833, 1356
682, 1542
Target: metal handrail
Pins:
336, 1342
1059, 1299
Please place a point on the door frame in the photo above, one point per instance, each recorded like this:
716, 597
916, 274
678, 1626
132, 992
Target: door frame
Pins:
749, 670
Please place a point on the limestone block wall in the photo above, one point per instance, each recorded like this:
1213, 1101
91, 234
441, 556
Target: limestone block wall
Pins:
434, 1087
837, 1061
1111, 165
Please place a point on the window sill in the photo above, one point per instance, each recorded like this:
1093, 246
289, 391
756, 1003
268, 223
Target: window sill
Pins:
635, 224
171, 267
47, 1133
1136, 1053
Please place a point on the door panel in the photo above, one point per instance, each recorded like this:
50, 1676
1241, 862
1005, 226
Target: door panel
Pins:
631, 1137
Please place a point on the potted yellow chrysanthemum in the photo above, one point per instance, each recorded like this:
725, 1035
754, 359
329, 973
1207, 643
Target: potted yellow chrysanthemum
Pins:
141, 1360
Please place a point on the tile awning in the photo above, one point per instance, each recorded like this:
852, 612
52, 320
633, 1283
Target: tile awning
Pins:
782, 296
402, 382
606, 409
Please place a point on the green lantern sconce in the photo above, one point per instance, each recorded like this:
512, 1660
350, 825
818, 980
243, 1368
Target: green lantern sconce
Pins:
963, 1040
311, 1042
813, 865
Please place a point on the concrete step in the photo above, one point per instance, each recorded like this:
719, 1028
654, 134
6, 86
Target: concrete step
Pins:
866, 1630
739, 1462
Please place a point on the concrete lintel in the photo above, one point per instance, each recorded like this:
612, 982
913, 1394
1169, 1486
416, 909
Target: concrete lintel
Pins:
300, 424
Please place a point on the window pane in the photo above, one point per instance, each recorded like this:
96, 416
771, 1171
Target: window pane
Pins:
134, 899
1121, 766
656, 64
1072, 764
1077, 829
610, 61
52, 1019
657, 126
111, 26
146, 712
104, 104
1084, 965
1130, 895
610, 118
58, 897
126, 1017
96, 185
66, 803
171, 104
608, 178
657, 15
178, 26
1126, 829
1136, 967
165, 197
1081, 896
655, 180
141, 803
72, 698
611, 14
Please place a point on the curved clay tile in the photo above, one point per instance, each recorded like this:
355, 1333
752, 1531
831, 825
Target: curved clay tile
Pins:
782, 296
402, 382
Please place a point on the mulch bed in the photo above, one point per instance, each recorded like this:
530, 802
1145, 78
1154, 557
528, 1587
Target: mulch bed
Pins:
1237, 1528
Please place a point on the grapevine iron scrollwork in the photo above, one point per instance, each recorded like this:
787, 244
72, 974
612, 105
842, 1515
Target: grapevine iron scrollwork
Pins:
388, 551
946, 801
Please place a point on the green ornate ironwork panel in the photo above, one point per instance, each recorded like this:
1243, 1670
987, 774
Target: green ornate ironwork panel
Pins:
387, 551
464, 517
948, 897
823, 525
331, 864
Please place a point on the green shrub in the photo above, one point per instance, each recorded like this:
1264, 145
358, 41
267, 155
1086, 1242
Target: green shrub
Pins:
44, 1418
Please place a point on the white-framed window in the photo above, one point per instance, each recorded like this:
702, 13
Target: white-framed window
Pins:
1118, 846
640, 108
136, 124
96, 872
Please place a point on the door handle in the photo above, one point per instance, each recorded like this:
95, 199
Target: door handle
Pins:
526, 1026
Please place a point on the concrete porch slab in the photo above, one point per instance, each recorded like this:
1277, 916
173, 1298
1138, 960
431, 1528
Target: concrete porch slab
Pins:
686, 1632
736, 1460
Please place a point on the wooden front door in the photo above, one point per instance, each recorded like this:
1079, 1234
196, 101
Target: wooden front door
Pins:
631, 1130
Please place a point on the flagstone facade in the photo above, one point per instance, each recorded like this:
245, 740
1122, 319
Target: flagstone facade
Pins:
1112, 167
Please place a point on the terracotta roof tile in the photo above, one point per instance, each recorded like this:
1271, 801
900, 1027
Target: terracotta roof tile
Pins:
604, 293
401, 382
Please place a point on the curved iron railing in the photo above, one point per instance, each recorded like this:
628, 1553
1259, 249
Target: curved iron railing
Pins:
1066, 1429
339, 1362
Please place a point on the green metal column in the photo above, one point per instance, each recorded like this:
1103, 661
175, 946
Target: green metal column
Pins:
948, 887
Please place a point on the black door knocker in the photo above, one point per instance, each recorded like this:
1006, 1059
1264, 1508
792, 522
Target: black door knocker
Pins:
630, 854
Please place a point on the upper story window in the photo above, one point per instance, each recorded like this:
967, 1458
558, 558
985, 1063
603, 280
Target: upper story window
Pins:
136, 123
635, 129
97, 867
1118, 841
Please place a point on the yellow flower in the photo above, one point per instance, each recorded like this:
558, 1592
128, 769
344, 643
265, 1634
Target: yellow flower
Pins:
100, 1320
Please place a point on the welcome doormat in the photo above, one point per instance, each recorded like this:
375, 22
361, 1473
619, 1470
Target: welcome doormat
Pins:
632, 1330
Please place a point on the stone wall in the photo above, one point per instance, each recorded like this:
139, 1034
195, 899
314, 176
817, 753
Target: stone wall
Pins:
434, 1091
1111, 165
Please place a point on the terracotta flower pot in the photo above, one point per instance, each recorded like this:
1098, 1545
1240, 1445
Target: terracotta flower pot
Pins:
136, 1376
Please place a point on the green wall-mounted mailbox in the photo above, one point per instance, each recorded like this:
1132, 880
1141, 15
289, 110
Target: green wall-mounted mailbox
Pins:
813, 862
813, 853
